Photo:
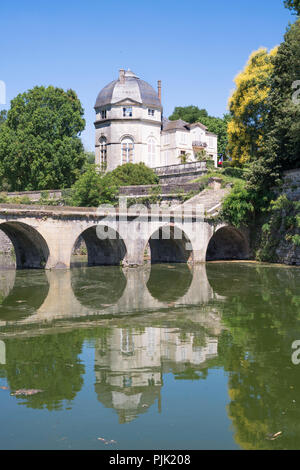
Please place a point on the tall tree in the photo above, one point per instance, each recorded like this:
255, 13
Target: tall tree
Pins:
281, 144
249, 106
293, 5
219, 127
3, 114
189, 114
40, 146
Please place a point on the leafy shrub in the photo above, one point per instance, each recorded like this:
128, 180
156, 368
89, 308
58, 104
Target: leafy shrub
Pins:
93, 189
210, 164
234, 172
237, 207
296, 240
86, 190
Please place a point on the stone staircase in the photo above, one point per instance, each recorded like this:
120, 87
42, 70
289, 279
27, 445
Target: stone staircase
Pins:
210, 198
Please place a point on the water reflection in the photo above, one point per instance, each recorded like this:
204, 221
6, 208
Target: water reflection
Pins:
91, 285
130, 364
237, 319
2, 352
39, 296
169, 283
49, 363
21, 295
261, 313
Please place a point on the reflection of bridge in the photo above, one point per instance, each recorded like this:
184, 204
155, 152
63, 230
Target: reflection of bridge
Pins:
67, 294
45, 236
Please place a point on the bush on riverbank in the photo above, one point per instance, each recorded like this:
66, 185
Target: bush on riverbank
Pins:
93, 189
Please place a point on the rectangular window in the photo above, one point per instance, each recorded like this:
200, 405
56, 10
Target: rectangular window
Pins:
127, 153
127, 112
103, 114
166, 139
183, 138
150, 112
167, 158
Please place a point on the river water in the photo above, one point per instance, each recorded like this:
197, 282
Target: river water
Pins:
159, 357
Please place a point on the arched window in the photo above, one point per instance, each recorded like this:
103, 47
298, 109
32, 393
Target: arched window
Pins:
151, 152
127, 146
103, 154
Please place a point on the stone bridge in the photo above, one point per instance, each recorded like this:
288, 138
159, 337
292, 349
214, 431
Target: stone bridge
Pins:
45, 236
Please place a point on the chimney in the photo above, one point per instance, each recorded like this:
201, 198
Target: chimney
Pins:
122, 76
159, 89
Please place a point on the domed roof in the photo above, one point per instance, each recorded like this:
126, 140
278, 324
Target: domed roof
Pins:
130, 86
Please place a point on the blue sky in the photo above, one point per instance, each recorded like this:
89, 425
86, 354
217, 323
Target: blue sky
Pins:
195, 47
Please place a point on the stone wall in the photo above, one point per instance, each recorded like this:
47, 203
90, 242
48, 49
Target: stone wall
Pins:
287, 252
168, 189
291, 186
36, 195
181, 173
5, 243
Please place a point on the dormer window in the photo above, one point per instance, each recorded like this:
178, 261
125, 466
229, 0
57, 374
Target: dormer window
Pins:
103, 114
127, 112
150, 112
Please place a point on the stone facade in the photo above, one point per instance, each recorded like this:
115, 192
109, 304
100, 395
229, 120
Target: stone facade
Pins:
291, 186
6, 245
179, 137
129, 128
287, 252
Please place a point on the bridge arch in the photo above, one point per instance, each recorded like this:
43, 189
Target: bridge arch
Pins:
227, 243
109, 251
170, 244
31, 249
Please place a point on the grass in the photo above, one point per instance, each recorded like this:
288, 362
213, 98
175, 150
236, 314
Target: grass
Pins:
225, 178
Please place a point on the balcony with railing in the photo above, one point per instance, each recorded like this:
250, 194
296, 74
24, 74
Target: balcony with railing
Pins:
197, 144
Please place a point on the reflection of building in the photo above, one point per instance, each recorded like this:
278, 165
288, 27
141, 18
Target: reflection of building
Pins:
129, 364
2, 353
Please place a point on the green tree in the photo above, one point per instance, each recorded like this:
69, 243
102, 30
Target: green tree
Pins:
219, 127
188, 113
40, 146
93, 189
3, 115
86, 190
249, 106
90, 157
237, 207
184, 157
280, 150
293, 5
201, 155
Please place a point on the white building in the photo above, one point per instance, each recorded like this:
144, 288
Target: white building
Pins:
130, 128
